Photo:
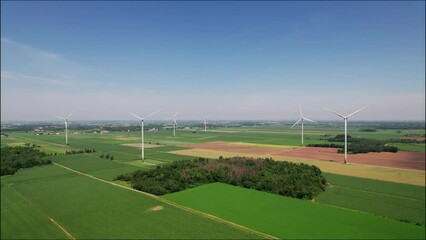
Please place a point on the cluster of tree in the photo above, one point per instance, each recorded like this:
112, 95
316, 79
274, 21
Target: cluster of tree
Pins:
368, 130
14, 158
107, 156
86, 150
326, 145
406, 140
284, 178
363, 145
31, 145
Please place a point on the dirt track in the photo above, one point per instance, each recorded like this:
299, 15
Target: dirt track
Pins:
402, 159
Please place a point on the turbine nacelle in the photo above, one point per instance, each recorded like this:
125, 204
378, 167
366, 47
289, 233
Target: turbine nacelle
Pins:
345, 117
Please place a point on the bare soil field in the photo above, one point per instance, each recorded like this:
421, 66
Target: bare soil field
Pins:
417, 138
401, 159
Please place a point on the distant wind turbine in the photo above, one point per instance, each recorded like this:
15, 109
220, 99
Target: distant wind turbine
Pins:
66, 126
301, 119
205, 124
345, 118
143, 118
174, 125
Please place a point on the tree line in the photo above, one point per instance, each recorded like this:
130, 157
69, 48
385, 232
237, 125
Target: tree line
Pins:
14, 158
357, 145
296, 180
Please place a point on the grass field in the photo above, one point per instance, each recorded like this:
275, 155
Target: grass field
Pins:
398, 201
92, 209
20, 220
291, 218
414, 147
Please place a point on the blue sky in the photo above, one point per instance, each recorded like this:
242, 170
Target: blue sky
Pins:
227, 60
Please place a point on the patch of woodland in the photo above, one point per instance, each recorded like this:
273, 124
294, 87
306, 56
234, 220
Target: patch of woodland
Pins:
295, 180
14, 158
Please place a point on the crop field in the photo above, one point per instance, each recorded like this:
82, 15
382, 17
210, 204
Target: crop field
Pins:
54, 202
290, 218
87, 208
394, 200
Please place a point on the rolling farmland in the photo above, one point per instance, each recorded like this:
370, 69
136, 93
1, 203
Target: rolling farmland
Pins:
88, 208
57, 192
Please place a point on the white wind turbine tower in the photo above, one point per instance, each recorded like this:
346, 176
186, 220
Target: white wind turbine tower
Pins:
143, 118
301, 119
174, 125
346, 128
205, 124
66, 126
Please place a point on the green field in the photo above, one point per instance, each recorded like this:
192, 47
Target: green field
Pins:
414, 147
291, 218
394, 200
88, 208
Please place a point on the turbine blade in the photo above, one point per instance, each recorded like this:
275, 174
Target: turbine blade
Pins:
309, 120
300, 110
136, 116
175, 121
175, 115
338, 114
356, 111
149, 115
296, 123
69, 115
59, 117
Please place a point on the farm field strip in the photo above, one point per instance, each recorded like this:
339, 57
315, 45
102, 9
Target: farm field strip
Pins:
171, 203
18, 215
85, 217
401, 159
62, 229
363, 171
394, 200
393, 207
289, 218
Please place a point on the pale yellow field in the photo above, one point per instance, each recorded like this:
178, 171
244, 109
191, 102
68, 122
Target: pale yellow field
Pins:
138, 145
263, 145
127, 138
365, 171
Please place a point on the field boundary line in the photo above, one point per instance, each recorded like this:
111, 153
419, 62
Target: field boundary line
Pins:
378, 193
62, 229
206, 215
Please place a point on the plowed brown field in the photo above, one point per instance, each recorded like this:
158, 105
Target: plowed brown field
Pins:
401, 159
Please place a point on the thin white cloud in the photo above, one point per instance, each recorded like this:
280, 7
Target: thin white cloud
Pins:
11, 76
32, 50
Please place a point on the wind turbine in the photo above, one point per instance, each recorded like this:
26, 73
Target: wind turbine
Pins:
301, 120
66, 126
174, 125
205, 124
346, 128
143, 118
